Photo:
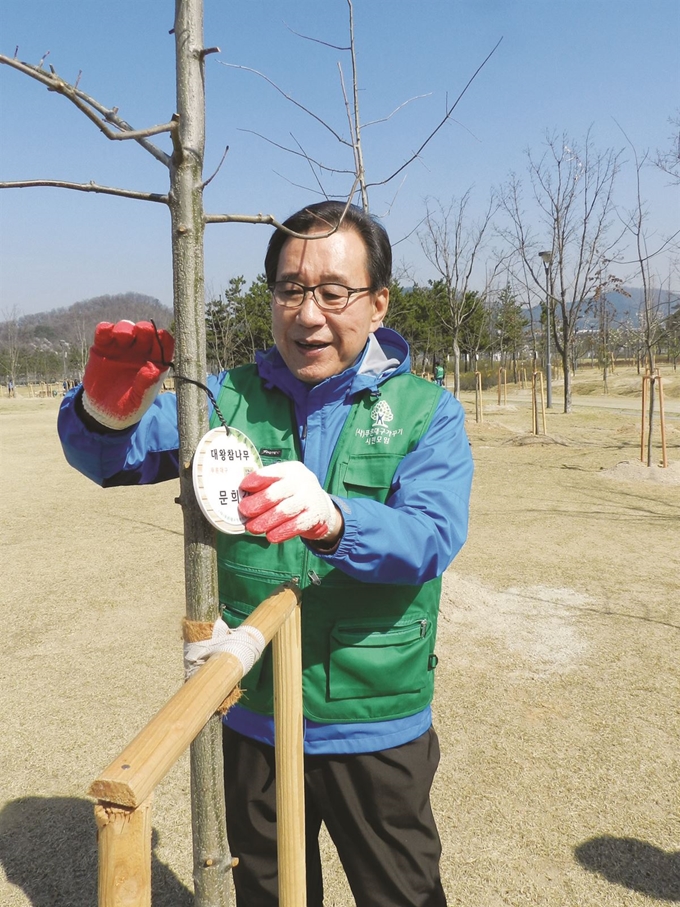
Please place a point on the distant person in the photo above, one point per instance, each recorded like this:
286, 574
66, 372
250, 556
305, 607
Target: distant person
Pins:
364, 499
439, 375
10, 388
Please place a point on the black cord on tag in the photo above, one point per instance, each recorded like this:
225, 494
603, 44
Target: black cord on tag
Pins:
177, 377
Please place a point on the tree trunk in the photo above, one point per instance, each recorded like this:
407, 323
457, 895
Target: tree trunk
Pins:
456, 369
212, 859
566, 364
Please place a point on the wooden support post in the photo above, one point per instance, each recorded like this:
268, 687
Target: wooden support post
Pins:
124, 842
645, 379
662, 423
290, 781
534, 406
545, 432
479, 414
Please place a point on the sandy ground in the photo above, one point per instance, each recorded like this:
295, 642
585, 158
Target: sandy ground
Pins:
558, 679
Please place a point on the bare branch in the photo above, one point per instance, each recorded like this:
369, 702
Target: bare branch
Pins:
288, 98
90, 107
389, 116
298, 153
271, 220
443, 121
217, 169
315, 40
87, 187
311, 167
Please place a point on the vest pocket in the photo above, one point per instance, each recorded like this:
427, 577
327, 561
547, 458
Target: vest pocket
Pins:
370, 475
367, 661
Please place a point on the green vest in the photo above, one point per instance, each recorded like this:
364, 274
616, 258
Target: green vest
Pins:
367, 648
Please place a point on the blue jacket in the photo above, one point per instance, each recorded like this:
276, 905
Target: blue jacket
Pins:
415, 541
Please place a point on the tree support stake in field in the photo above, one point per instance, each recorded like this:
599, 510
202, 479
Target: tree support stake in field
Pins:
648, 383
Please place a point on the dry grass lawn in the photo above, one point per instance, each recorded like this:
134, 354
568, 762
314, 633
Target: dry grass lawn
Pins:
558, 679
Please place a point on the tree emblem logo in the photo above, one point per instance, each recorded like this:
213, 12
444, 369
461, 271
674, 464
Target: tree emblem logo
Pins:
381, 413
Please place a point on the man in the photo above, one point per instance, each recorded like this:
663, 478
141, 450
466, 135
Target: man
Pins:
364, 499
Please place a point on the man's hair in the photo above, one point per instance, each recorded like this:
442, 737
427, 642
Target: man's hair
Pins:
324, 216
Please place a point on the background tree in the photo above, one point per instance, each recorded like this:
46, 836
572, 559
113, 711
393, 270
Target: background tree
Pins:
508, 326
572, 189
668, 159
452, 243
10, 349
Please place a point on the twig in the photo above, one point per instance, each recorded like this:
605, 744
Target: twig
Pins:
217, 169
298, 153
315, 40
445, 118
389, 116
270, 219
88, 187
311, 166
288, 98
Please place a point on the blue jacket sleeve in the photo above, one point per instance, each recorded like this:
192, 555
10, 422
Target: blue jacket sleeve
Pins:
415, 535
143, 454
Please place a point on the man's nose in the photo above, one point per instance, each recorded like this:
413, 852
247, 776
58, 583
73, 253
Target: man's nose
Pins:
309, 313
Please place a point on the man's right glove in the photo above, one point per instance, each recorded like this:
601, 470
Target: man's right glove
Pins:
126, 368
245, 642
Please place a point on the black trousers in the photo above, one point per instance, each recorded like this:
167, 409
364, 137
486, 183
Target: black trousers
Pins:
376, 807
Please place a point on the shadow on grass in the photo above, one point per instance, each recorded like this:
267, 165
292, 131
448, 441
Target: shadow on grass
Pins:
48, 849
634, 864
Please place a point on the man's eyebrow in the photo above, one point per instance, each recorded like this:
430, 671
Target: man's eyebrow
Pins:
327, 278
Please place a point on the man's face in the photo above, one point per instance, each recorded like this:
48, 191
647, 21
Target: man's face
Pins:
315, 344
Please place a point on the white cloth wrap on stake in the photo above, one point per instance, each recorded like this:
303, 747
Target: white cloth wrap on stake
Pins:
245, 642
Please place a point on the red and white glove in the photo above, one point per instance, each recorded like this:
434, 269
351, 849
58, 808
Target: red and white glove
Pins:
285, 500
245, 642
126, 368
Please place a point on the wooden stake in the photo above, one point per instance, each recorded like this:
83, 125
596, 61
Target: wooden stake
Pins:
479, 414
545, 432
662, 423
124, 842
534, 406
645, 378
290, 781
502, 382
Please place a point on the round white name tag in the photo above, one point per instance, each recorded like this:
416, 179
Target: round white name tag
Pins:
221, 462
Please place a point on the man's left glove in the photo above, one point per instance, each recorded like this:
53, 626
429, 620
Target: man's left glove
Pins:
245, 642
285, 500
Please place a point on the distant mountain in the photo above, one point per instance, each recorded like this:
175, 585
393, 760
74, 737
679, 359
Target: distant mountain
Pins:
76, 323
625, 309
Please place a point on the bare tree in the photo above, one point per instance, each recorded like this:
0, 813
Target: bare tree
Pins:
452, 243
572, 191
652, 313
11, 346
668, 160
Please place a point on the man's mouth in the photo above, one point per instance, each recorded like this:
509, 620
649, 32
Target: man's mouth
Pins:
310, 345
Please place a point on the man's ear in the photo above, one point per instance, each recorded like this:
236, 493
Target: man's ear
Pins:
381, 301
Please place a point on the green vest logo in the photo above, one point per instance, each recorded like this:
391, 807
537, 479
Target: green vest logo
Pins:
381, 413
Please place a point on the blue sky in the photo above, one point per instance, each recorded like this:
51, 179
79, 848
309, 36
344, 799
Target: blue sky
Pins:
566, 67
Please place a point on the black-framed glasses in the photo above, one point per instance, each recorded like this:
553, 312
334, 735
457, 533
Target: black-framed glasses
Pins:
329, 297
